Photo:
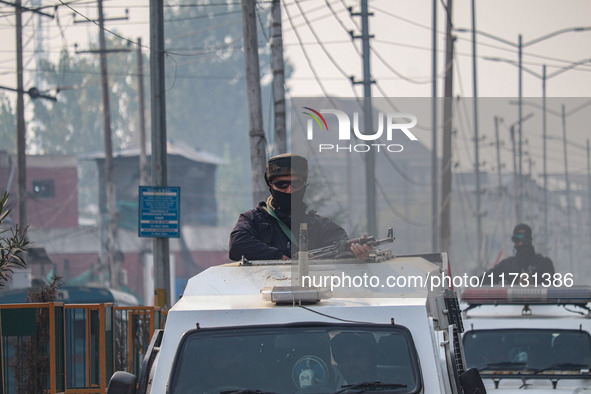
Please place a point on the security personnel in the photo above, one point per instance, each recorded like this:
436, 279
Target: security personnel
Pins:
525, 261
271, 230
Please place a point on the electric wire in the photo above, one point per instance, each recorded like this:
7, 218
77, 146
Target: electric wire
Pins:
305, 53
342, 72
378, 86
313, 31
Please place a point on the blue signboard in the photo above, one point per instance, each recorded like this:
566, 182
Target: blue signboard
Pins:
159, 211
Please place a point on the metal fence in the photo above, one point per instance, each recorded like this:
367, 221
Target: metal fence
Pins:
89, 347
32, 348
71, 348
134, 327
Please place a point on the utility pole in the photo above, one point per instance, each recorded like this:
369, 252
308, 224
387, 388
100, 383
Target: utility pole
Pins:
112, 260
277, 65
143, 164
21, 143
501, 191
498, 150
476, 142
253, 91
434, 172
515, 182
142, 115
370, 158
111, 250
530, 164
39, 37
160, 246
544, 125
588, 184
520, 45
568, 218
446, 174
520, 213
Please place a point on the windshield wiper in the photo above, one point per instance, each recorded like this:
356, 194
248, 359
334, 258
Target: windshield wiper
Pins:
567, 366
365, 386
502, 364
247, 391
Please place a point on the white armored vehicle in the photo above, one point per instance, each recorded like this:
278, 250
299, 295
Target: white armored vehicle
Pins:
533, 339
346, 327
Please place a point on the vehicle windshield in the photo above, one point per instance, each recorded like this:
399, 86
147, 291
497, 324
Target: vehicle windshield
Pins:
296, 359
532, 351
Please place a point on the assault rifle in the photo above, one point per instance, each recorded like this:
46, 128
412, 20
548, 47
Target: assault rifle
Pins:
340, 247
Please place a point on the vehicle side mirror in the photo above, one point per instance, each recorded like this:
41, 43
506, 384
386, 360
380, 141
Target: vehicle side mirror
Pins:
472, 382
122, 383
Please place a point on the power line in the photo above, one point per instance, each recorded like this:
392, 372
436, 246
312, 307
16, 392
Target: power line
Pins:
103, 28
404, 175
320, 84
544, 57
406, 20
337, 66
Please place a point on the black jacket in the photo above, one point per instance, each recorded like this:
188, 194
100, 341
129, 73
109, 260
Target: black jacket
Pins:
510, 266
258, 236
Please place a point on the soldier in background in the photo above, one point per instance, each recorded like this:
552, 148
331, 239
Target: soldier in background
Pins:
524, 261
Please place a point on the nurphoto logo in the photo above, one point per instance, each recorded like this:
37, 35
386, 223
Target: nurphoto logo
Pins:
390, 123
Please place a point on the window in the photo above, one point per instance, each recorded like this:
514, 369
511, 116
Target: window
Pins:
43, 188
538, 351
288, 359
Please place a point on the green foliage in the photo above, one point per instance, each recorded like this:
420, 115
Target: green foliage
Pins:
8, 125
207, 92
205, 96
12, 247
74, 124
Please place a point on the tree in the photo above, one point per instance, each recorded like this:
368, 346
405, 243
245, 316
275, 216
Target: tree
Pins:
205, 97
7, 118
12, 247
72, 124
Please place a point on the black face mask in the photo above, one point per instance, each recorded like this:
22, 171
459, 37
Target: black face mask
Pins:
285, 202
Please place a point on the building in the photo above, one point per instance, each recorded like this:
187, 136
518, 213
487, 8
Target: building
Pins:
193, 171
73, 250
52, 189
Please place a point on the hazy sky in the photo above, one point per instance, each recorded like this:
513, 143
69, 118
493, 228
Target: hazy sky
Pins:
403, 40
403, 37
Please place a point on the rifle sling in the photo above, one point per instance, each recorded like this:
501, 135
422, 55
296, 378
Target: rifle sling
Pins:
283, 226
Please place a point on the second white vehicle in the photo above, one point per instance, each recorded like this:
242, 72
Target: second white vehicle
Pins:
529, 339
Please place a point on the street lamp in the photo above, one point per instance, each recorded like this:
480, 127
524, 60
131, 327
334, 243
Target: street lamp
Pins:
21, 143
33, 93
544, 77
563, 115
520, 45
